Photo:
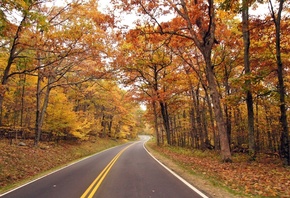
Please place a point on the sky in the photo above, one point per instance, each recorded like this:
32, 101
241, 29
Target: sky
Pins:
127, 19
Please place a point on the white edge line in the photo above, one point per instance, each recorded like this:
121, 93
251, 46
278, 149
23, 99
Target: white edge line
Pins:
39, 178
176, 175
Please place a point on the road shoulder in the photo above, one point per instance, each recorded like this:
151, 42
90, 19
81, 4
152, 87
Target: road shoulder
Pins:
202, 184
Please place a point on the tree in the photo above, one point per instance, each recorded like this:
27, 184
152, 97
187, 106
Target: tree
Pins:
67, 48
284, 148
63, 45
147, 65
249, 97
196, 22
190, 60
12, 35
234, 5
60, 119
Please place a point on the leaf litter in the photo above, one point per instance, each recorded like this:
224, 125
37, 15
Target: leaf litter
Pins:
20, 163
265, 177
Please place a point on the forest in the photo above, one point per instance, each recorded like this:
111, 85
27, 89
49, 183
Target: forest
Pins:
212, 74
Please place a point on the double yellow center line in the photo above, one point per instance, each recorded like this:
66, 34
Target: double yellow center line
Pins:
89, 193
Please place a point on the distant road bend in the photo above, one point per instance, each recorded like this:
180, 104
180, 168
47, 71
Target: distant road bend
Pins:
126, 171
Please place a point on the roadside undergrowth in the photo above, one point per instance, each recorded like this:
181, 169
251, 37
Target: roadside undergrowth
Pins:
265, 177
19, 164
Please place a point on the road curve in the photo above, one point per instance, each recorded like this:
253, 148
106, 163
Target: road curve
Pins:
126, 171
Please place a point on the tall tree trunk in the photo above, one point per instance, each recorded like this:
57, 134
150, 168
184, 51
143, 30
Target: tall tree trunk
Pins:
224, 142
12, 56
228, 123
37, 117
228, 111
204, 39
103, 122
22, 100
193, 128
193, 104
206, 50
156, 123
269, 122
175, 134
110, 124
258, 141
208, 144
284, 147
166, 123
44, 105
214, 131
40, 111
199, 121
249, 97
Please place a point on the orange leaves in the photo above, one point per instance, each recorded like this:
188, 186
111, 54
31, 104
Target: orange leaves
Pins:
23, 163
267, 179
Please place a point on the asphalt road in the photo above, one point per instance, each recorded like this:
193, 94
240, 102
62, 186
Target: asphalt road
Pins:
126, 171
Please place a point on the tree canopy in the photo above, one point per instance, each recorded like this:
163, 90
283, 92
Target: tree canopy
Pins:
212, 74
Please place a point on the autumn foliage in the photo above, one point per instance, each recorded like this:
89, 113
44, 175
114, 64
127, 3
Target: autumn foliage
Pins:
210, 80
222, 87
187, 68
263, 178
56, 80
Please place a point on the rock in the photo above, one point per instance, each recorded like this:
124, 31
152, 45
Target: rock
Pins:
44, 147
21, 144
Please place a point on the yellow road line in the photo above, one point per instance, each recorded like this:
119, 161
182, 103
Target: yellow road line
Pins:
92, 189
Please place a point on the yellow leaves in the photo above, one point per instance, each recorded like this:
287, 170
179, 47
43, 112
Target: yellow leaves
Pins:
127, 46
78, 134
122, 135
100, 105
16, 4
84, 127
60, 115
